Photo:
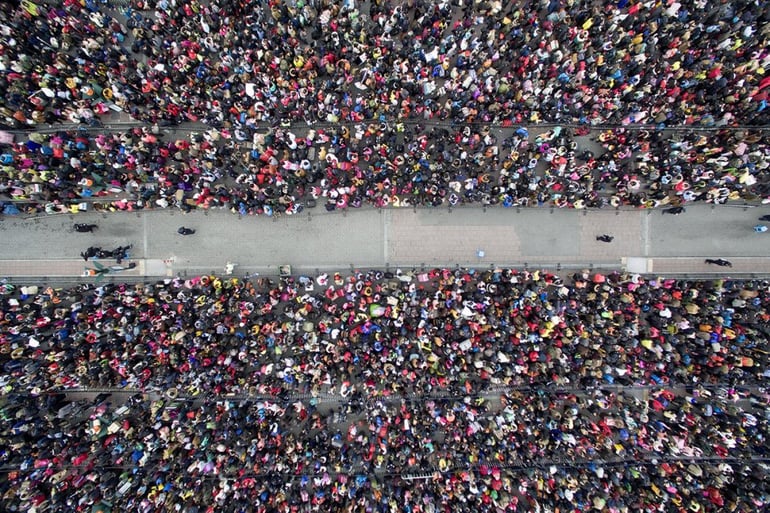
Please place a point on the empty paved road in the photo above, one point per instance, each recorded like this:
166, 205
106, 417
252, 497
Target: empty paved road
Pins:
373, 238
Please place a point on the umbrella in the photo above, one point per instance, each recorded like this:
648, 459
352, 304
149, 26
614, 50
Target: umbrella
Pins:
10, 209
376, 310
747, 178
599, 278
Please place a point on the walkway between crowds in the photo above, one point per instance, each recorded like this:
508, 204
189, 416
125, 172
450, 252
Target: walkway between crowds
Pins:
645, 242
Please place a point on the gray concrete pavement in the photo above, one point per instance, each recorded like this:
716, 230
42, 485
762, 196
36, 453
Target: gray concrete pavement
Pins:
364, 238
704, 230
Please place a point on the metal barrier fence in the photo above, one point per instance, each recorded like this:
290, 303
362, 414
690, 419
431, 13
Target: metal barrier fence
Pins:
496, 390
436, 473
500, 125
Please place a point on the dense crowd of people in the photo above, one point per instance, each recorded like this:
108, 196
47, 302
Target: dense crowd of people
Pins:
442, 390
401, 103
283, 171
445, 390
244, 62
533, 452
453, 331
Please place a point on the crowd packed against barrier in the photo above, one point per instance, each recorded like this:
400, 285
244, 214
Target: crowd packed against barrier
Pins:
441, 330
245, 62
522, 452
281, 171
443, 390
410, 122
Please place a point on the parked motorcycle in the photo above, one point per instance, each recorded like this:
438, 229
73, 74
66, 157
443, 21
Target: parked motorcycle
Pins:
118, 253
721, 262
85, 228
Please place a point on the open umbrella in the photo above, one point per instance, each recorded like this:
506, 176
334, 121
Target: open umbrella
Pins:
695, 470
376, 310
